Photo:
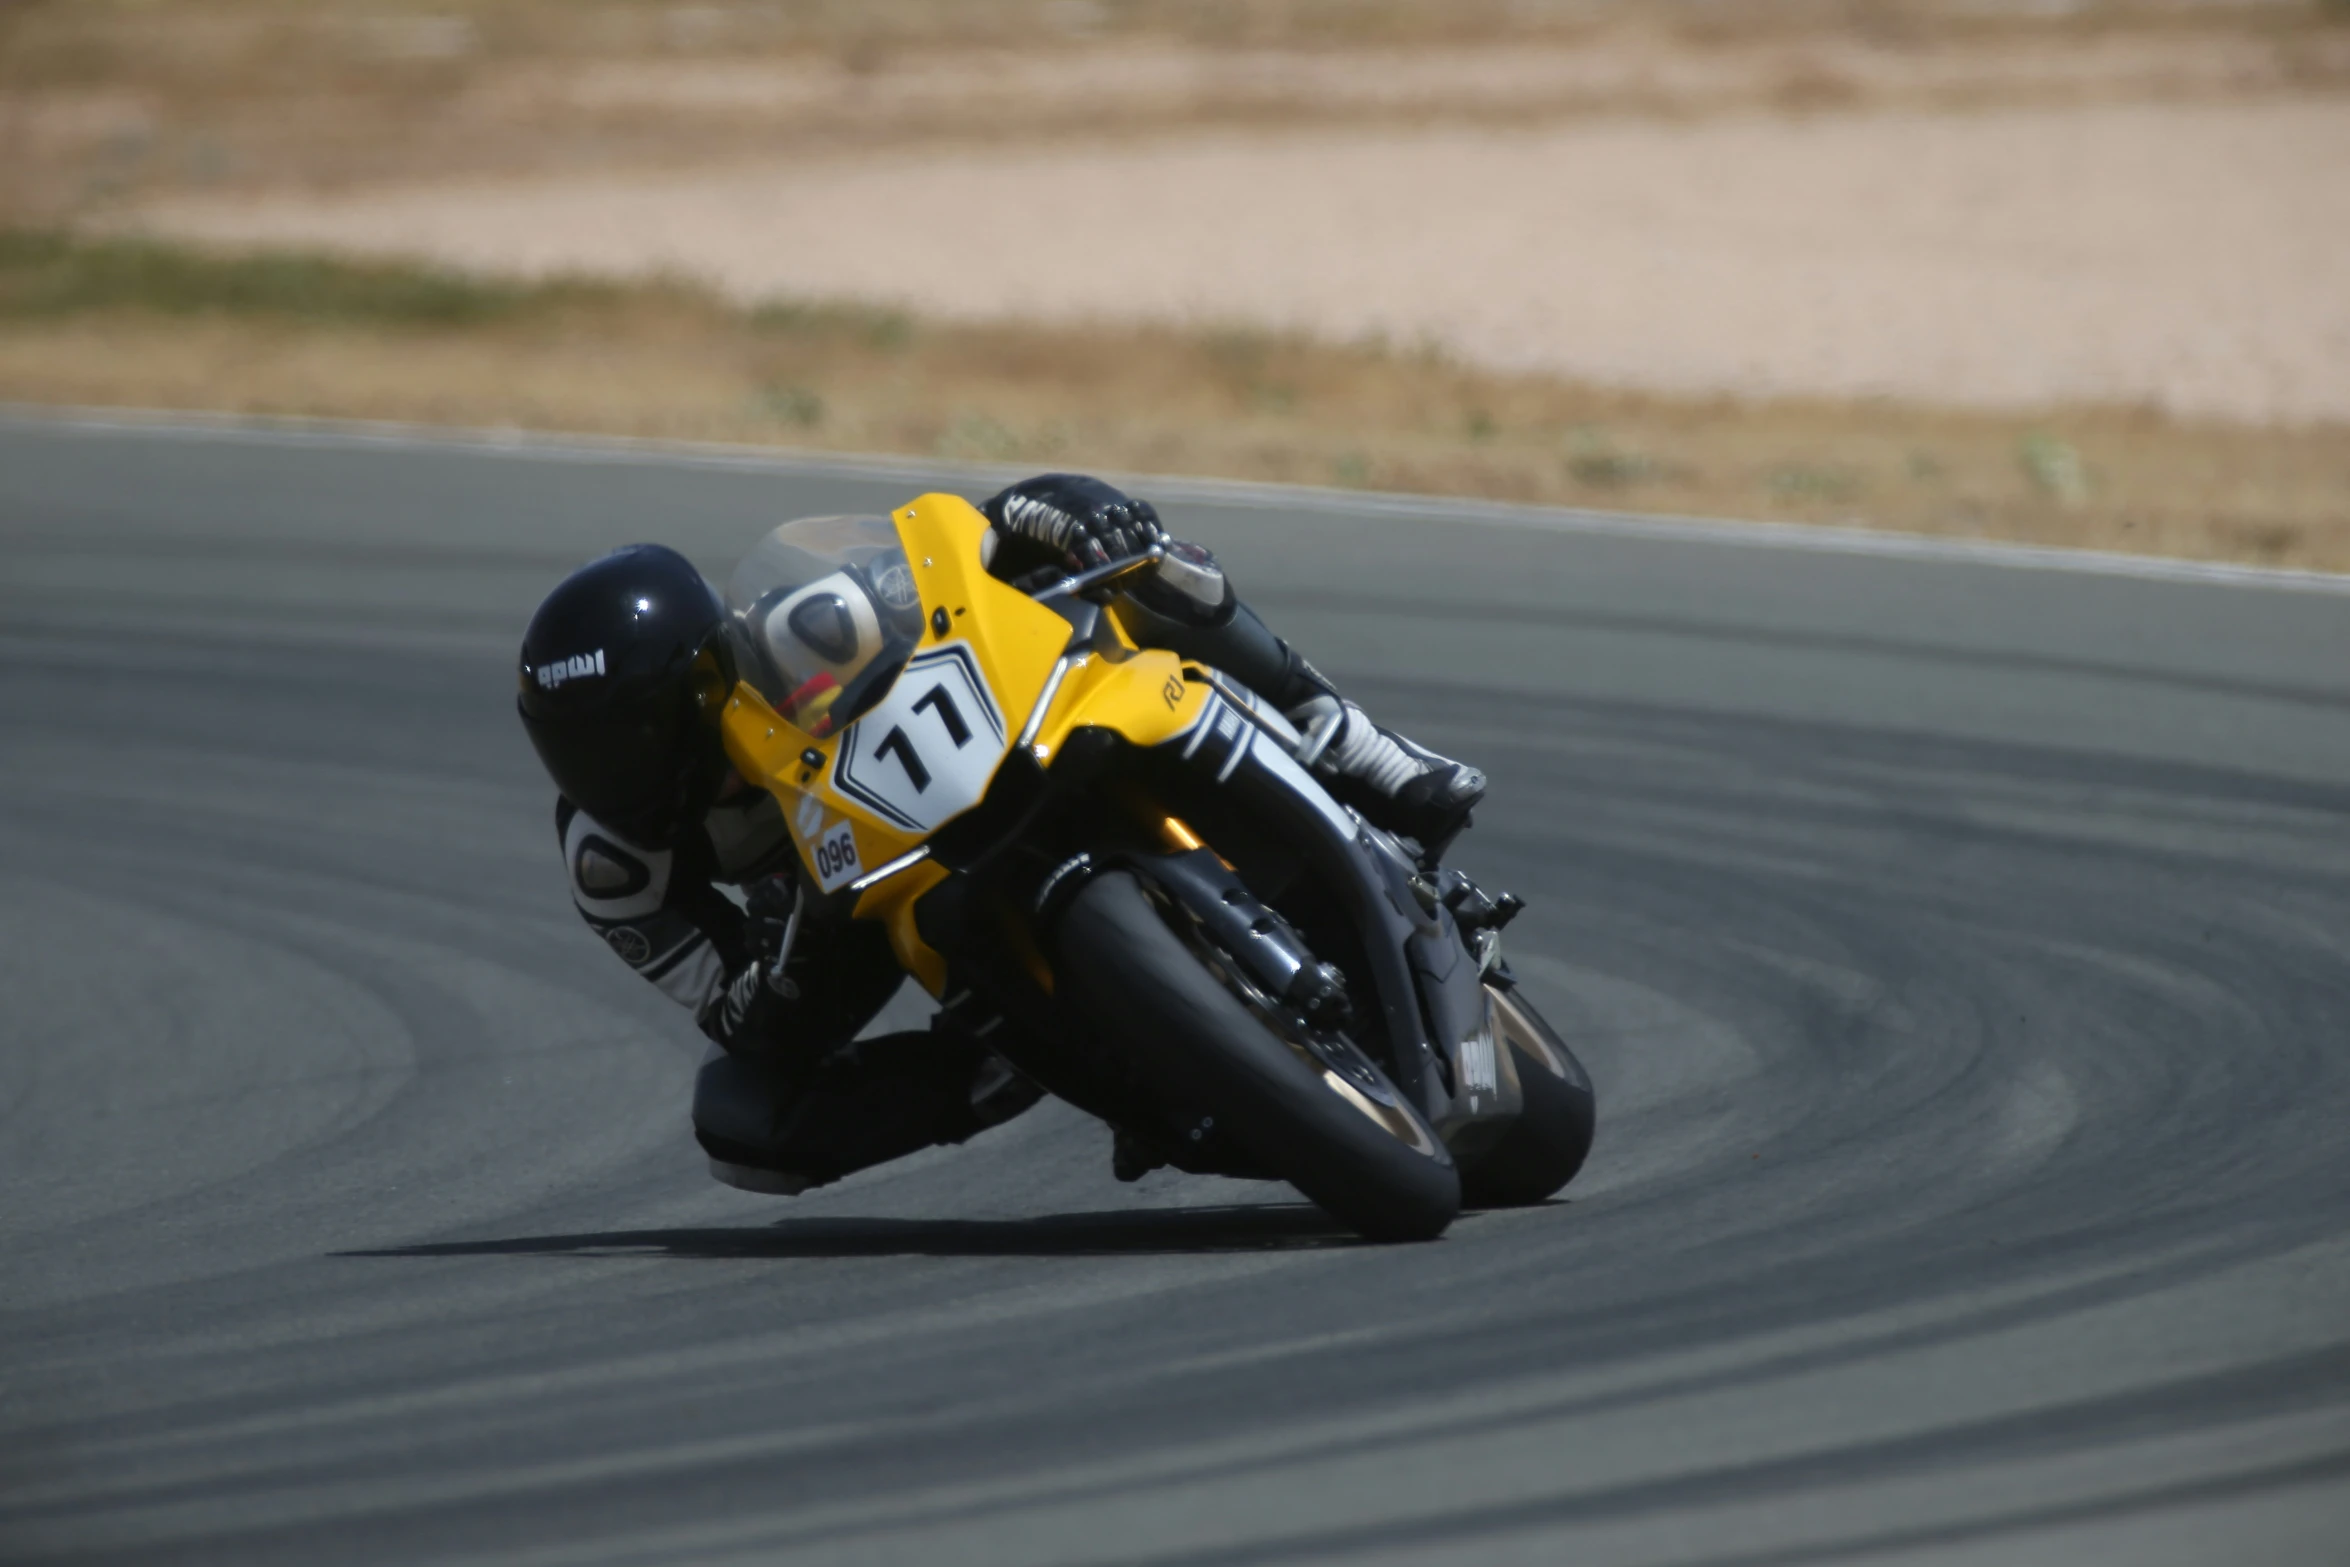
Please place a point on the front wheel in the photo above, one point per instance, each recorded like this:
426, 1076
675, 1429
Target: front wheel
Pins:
1551, 1137
1357, 1149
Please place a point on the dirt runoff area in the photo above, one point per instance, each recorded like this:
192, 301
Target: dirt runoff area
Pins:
2066, 274
2187, 257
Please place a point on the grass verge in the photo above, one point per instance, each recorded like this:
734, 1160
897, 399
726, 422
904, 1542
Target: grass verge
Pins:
133, 323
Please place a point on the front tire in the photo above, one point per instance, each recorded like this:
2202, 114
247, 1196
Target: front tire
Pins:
1548, 1142
1376, 1168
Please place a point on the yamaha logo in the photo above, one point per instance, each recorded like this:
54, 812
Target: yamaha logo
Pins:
893, 584
549, 676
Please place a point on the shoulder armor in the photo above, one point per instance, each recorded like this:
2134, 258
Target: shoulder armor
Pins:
611, 878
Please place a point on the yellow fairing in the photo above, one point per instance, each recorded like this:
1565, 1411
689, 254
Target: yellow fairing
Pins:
911, 767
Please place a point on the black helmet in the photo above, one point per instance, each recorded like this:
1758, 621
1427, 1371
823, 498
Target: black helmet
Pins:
625, 670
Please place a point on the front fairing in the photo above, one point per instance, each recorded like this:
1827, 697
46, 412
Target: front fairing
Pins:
870, 794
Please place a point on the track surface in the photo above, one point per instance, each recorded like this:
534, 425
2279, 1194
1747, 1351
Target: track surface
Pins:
1962, 953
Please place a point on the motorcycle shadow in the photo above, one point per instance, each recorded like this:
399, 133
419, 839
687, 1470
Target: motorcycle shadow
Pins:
1133, 1232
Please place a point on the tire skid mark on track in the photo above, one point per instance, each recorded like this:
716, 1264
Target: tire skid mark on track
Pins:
2033, 1436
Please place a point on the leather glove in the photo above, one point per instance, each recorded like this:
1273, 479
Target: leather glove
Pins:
1084, 521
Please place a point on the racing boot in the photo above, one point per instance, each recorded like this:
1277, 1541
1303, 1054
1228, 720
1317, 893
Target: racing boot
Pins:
999, 1092
1397, 784
1131, 1158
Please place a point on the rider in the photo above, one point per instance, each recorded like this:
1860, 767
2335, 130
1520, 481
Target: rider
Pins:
653, 819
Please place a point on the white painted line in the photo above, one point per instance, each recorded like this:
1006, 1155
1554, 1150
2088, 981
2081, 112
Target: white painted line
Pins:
543, 447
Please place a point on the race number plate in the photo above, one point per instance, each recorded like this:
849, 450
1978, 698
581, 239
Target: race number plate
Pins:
925, 755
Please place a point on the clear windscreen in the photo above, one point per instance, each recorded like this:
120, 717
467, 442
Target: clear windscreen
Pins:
825, 614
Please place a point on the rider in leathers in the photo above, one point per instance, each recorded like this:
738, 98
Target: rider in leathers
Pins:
654, 821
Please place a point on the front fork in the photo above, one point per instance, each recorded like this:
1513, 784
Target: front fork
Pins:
1479, 1094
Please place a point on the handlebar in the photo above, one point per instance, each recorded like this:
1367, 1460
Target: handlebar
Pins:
1102, 576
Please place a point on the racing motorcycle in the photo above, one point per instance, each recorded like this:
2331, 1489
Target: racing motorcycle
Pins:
1122, 856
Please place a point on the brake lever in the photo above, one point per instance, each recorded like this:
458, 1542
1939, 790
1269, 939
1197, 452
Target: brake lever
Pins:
1102, 576
784, 934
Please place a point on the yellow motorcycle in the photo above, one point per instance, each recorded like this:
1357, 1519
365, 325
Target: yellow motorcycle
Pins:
1119, 855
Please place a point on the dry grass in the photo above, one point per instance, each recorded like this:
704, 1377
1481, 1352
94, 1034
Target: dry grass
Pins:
156, 326
103, 102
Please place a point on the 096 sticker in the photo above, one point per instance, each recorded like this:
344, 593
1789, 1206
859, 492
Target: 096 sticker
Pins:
834, 857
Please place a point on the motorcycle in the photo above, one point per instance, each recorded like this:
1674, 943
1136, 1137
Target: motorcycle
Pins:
1125, 857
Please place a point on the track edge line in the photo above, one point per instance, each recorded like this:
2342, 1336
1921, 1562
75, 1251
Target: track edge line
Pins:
555, 446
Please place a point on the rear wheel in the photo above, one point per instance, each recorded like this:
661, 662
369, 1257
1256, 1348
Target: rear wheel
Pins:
1311, 1110
1551, 1137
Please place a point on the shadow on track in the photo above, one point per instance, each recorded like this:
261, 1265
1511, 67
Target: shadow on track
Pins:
1285, 1227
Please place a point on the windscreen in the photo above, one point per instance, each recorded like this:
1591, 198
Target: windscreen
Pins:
825, 615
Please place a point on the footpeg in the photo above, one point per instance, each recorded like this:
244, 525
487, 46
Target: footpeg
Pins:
1473, 908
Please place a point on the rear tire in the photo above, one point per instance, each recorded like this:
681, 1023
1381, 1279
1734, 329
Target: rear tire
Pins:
1548, 1142
1139, 987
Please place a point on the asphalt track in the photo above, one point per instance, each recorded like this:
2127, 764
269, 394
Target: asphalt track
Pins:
1961, 948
